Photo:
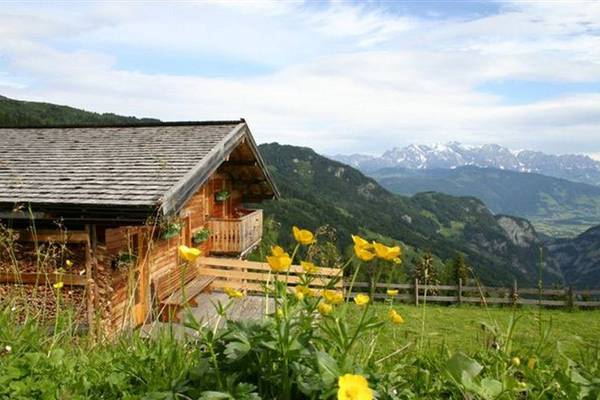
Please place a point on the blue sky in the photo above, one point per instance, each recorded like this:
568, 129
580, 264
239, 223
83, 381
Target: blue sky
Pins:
340, 76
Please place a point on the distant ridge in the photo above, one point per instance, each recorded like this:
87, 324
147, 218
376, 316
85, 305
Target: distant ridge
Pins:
574, 167
556, 207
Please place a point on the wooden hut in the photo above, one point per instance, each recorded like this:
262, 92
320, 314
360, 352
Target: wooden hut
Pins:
108, 206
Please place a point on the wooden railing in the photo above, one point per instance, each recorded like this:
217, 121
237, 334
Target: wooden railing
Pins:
252, 276
418, 293
236, 235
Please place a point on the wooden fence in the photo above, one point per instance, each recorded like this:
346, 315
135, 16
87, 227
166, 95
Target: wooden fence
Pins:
252, 276
418, 293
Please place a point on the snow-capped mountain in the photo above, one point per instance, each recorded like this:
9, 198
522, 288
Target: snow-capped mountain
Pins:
574, 167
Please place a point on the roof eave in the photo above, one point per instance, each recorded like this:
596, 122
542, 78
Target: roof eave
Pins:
174, 199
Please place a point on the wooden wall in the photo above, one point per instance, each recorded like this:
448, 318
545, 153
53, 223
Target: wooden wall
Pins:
161, 255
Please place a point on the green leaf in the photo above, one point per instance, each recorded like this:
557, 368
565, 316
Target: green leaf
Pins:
215, 396
490, 388
460, 366
328, 367
237, 350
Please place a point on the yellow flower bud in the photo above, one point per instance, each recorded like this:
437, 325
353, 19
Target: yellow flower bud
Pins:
361, 299
303, 236
324, 308
189, 253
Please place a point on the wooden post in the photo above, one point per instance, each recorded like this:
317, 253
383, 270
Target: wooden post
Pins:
571, 298
460, 284
416, 292
89, 289
514, 294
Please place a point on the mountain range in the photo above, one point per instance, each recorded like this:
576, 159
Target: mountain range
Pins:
557, 207
574, 167
318, 191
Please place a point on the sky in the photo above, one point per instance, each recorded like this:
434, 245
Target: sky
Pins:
338, 76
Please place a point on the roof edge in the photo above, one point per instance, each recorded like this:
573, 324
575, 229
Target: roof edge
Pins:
262, 163
178, 194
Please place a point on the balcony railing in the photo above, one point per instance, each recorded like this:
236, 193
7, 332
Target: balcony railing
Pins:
236, 235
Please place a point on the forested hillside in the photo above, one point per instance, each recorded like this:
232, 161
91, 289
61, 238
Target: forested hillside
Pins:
317, 191
555, 206
579, 258
15, 113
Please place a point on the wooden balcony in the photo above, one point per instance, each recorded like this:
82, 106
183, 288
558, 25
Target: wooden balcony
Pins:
236, 235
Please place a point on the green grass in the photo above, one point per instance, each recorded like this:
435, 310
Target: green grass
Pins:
459, 328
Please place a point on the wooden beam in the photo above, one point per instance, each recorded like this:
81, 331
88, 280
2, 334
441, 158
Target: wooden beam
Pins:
89, 293
54, 236
240, 163
32, 278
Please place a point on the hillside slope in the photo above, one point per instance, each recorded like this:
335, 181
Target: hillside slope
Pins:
318, 191
556, 207
28, 113
579, 257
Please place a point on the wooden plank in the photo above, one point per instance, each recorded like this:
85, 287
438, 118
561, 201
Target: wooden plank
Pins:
29, 278
236, 263
545, 292
587, 303
449, 299
254, 276
405, 286
191, 290
54, 236
89, 292
438, 287
543, 302
591, 292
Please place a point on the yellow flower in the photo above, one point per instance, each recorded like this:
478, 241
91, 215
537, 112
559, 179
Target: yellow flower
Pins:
279, 263
363, 254
361, 299
354, 387
516, 361
189, 253
324, 308
333, 297
303, 236
279, 313
385, 252
531, 362
58, 285
303, 291
308, 267
232, 293
392, 292
278, 251
69, 263
395, 317
360, 242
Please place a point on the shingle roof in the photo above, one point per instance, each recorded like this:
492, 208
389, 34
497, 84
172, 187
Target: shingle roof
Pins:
103, 166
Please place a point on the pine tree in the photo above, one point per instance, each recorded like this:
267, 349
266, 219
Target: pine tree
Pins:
456, 269
425, 271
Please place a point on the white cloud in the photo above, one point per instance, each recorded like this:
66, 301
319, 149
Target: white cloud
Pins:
342, 78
